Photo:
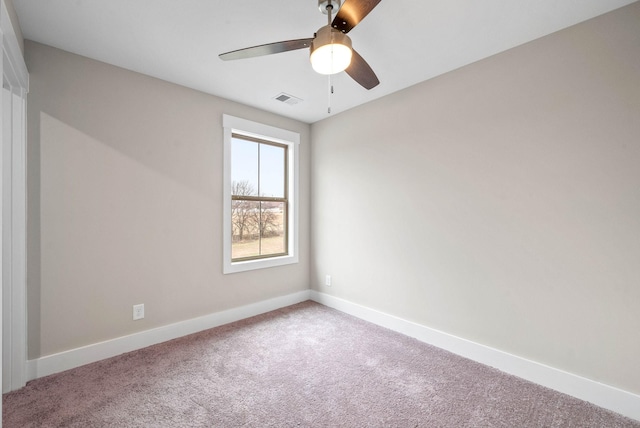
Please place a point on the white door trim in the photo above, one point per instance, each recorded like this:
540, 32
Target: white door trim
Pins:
13, 206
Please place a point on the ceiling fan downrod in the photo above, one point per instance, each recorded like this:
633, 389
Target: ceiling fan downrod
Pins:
329, 9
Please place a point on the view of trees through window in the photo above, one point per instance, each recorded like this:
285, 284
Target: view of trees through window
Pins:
259, 198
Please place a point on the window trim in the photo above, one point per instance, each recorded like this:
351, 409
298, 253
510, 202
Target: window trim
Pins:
235, 125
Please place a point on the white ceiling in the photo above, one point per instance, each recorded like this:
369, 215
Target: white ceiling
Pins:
404, 41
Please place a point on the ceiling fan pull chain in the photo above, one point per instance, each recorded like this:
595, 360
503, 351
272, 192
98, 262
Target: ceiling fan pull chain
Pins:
329, 95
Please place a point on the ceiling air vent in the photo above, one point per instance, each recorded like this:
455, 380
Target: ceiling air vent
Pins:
287, 99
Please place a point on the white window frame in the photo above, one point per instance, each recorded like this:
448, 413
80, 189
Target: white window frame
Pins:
236, 125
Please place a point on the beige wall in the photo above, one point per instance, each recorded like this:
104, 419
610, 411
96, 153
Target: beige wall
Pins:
125, 204
499, 203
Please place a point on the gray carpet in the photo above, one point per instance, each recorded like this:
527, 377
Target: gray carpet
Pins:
305, 365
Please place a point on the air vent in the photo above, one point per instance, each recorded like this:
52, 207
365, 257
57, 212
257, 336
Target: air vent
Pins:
287, 99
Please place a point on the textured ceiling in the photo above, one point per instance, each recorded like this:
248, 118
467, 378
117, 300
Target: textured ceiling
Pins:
404, 41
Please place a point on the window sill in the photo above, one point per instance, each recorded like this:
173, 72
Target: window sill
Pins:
248, 265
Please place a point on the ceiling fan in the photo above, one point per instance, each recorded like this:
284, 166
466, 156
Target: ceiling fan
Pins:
330, 47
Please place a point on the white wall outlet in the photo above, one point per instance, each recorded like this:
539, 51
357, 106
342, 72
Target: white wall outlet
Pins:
327, 280
138, 312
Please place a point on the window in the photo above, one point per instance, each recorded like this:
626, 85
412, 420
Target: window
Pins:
260, 195
258, 198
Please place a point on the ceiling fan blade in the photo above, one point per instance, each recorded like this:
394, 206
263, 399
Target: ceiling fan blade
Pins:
351, 13
268, 49
361, 72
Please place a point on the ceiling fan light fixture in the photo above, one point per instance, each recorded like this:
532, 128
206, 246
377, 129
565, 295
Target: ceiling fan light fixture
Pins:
330, 51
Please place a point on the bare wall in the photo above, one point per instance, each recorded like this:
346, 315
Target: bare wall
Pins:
499, 202
125, 203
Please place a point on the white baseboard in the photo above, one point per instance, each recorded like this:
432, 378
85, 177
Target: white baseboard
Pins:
66, 360
608, 397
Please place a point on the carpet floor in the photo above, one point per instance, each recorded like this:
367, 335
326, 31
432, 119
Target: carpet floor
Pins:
302, 366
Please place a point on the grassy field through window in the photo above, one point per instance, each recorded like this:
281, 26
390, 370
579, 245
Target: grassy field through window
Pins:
258, 238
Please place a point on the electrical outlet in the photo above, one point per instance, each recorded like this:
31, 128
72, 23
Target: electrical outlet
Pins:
327, 280
138, 312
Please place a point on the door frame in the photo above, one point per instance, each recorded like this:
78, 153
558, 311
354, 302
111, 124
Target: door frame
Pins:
13, 307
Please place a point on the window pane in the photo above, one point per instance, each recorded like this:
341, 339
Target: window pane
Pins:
272, 228
245, 236
244, 167
272, 173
